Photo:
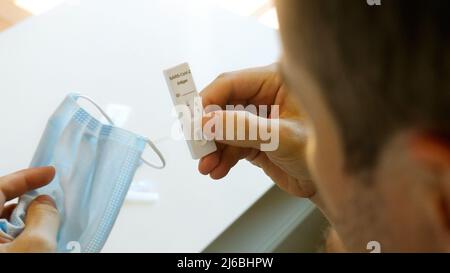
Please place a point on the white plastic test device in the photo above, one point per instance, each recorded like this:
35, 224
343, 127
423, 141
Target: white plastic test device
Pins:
183, 92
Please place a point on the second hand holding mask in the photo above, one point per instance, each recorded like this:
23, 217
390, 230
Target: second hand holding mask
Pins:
95, 164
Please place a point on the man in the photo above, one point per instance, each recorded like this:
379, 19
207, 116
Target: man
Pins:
373, 94
42, 220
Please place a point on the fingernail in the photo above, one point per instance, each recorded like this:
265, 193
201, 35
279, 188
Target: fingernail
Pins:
208, 116
46, 200
209, 134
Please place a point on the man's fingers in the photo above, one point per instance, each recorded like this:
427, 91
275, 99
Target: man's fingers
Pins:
249, 85
239, 128
41, 226
209, 162
4, 240
281, 178
230, 157
18, 183
7, 211
272, 170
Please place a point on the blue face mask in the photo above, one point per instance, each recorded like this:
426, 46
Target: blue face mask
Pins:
95, 164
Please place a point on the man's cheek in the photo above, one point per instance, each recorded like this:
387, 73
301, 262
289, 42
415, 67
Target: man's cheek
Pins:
318, 172
311, 158
320, 163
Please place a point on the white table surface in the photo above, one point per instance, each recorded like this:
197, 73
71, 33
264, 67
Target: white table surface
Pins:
114, 51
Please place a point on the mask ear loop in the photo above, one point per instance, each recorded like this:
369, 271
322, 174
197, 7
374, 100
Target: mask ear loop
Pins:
158, 153
98, 108
149, 142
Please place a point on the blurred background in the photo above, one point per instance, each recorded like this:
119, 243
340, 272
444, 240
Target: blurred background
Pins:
14, 11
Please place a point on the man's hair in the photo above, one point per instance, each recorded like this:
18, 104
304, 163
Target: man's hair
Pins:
381, 68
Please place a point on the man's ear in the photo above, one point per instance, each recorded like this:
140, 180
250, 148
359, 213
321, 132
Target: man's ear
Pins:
431, 150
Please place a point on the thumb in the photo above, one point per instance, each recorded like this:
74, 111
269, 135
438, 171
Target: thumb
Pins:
41, 226
241, 129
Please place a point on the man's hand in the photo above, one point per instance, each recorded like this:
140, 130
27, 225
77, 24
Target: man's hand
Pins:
42, 220
260, 86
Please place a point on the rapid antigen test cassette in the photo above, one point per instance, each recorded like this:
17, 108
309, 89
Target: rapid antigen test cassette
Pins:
184, 93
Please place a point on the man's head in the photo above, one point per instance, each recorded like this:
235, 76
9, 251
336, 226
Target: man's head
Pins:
375, 83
